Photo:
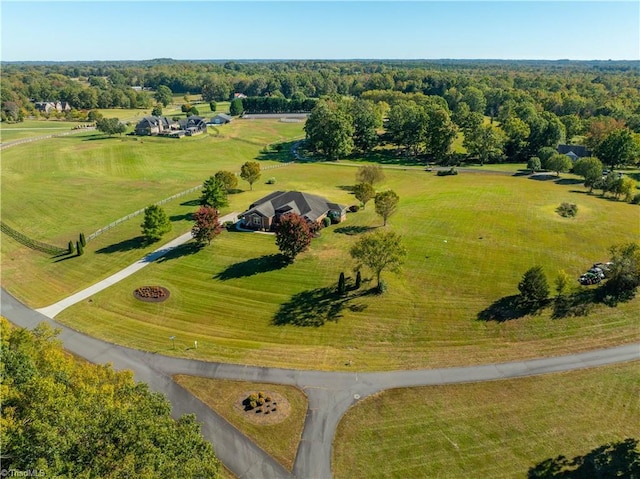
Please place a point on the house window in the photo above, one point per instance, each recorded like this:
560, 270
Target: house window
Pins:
256, 220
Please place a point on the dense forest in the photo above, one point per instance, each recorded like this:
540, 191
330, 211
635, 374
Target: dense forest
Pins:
531, 105
61, 417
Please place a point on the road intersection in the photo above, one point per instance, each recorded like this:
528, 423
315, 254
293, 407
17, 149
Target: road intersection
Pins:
330, 394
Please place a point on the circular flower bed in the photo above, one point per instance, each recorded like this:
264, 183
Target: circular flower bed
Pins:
151, 294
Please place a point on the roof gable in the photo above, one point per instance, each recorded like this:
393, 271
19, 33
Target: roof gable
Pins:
310, 206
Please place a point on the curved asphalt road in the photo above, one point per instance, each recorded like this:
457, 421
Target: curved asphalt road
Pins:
330, 394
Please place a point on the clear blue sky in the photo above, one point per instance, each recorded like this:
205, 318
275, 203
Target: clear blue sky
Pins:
127, 30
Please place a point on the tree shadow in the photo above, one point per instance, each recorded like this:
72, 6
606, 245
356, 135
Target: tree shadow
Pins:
508, 308
191, 203
617, 459
281, 152
183, 217
127, 245
522, 173
579, 303
317, 306
354, 230
250, 267
346, 188
543, 177
569, 181
181, 251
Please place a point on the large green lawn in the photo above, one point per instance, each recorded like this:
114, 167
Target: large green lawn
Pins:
497, 429
470, 238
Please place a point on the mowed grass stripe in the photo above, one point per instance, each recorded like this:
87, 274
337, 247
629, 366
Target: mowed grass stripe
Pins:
495, 429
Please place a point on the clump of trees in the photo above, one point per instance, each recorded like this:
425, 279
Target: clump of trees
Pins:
70, 418
111, 126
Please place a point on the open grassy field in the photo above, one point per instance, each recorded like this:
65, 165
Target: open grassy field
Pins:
279, 440
470, 238
33, 128
497, 429
84, 182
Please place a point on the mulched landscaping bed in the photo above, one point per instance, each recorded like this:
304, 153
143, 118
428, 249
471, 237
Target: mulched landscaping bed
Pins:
151, 294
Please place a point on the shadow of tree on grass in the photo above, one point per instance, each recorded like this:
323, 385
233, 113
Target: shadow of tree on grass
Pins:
569, 181
618, 459
127, 245
579, 303
508, 308
317, 306
182, 217
181, 251
353, 230
263, 264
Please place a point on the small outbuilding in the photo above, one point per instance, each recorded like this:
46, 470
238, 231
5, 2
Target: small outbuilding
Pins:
220, 119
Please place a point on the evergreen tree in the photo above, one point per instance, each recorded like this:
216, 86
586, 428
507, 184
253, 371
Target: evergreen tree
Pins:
156, 223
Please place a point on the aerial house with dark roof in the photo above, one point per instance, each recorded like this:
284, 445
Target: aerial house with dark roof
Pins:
264, 213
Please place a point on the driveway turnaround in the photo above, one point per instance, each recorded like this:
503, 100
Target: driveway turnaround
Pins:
330, 394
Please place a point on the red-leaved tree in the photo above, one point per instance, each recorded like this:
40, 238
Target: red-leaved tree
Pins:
206, 225
293, 235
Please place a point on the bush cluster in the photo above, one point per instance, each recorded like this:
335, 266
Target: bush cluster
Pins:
450, 172
354, 208
567, 210
271, 181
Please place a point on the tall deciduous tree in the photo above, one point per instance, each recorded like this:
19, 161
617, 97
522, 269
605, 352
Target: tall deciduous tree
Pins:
534, 164
407, 125
111, 126
386, 204
371, 174
293, 235
68, 418
367, 119
485, 142
439, 133
250, 172
624, 275
229, 180
590, 169
163, 95
534, 288
379, 251
329, 130
156, 223
206, 225
214, 193
618, 147
559, 163
364, 192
